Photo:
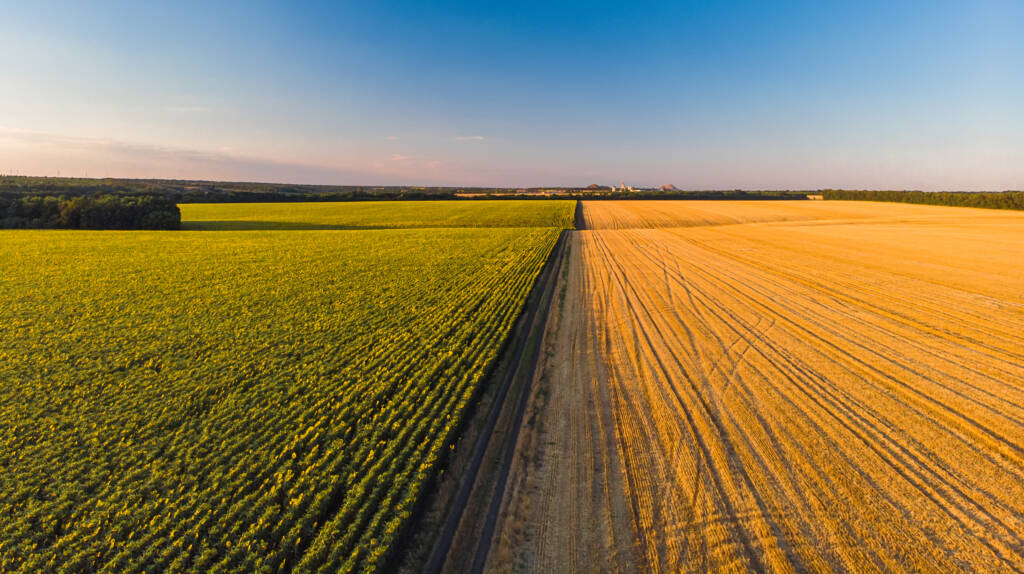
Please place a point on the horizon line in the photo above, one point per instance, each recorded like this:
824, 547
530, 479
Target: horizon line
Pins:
512, 187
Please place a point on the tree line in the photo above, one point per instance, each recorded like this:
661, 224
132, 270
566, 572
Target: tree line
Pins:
186, 191
719, 194
988, 200
88, 212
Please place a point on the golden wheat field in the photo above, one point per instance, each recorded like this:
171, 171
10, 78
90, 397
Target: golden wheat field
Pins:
780, 386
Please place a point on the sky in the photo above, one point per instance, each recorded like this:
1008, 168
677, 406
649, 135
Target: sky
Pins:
703, 95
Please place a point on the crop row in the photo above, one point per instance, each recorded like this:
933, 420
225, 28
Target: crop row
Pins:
256, 401
379, 214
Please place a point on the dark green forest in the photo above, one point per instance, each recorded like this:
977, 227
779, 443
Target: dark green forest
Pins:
88, 212
184, 191
987, 200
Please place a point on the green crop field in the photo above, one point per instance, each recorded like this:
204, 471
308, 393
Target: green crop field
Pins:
378, 214
241, 400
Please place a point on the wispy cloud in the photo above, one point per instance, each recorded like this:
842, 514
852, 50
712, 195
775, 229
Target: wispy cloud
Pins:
66, 142
34, 152
392, 138
187, 109
469, 138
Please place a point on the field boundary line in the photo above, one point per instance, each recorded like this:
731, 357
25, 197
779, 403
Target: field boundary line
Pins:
579, 222
523, 354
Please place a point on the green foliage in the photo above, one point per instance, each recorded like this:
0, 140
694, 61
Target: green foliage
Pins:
240, 400
184, 191
993, 200
89, 212
379, 215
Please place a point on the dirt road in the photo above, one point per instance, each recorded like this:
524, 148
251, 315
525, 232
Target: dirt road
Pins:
827, 386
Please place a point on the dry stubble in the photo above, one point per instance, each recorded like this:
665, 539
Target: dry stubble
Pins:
834, 387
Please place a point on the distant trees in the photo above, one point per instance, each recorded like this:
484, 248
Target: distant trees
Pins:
89, 212
988, 200
729, 194
182, 191
214, 191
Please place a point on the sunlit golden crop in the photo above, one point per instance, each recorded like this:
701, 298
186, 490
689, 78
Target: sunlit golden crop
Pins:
778, 386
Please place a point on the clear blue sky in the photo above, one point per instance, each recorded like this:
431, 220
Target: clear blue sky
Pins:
923, 95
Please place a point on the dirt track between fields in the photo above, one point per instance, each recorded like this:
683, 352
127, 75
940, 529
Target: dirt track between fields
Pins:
833, 386
463, 541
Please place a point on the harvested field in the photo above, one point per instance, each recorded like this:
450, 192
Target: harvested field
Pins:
660, 214
839, 388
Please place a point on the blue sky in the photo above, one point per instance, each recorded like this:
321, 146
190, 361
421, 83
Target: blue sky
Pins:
756, 95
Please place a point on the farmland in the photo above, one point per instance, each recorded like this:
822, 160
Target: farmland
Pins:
825, 386
610, 215
721, 385
245, 400
378, 214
